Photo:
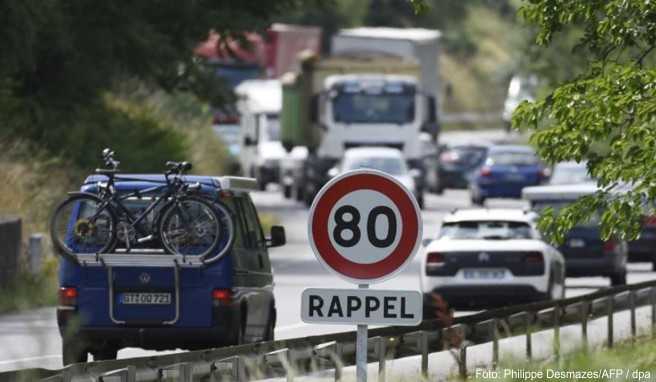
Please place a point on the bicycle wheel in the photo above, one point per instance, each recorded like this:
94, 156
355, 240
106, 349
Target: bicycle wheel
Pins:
80, 226
191, 226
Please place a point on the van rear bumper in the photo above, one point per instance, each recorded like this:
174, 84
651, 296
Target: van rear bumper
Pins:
156, 337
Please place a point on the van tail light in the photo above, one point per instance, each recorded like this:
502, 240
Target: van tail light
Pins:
434, 260
486, 171
224, 194
609, 246
68, 297
222, 296
534, 258
650, 221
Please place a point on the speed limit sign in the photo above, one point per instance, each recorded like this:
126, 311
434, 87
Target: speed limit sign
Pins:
365, 226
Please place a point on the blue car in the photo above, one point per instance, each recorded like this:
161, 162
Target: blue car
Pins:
505, 172
148, 298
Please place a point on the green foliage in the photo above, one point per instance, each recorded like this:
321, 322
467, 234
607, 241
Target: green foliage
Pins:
606, 115
60, 58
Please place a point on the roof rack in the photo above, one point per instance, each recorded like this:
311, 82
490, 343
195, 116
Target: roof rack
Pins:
239, 183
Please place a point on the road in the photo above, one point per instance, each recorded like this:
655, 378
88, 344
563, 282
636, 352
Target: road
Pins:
31, 338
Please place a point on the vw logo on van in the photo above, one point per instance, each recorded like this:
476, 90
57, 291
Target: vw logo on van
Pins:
484, 257
144, 278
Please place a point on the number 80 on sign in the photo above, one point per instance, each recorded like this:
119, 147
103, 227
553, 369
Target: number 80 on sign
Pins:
364, 226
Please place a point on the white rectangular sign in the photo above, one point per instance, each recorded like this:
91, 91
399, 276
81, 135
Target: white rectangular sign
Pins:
361, 306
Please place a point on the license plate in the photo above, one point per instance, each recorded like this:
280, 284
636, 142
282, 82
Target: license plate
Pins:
515, 177
576, 243
146, 298
485, 274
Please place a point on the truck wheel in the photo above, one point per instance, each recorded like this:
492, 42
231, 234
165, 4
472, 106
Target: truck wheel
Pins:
73, 352
618, 279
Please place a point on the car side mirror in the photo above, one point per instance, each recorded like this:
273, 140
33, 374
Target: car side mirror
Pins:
277, 237
426, 242
333, 172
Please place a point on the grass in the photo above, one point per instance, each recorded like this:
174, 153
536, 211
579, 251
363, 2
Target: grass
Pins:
634, 362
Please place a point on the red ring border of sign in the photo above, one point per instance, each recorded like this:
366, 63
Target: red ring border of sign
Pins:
318, 233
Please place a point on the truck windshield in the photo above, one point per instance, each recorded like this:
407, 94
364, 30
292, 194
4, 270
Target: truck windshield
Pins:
273, 127
397, 108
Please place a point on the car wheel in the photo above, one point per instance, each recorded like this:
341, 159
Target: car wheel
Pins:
105, 353
554, 292
73, 352
618, 279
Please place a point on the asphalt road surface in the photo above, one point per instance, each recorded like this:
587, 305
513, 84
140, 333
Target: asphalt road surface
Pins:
31, 338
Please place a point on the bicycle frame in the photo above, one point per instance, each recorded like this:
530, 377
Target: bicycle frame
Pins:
116, 201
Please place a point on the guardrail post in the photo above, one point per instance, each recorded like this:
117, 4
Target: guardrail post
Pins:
381, 350
495, 343
632, 306
584, 311
185, 372
652, 300
339, 351
423, 349
556, 343
462, 363
610, 306
529, 331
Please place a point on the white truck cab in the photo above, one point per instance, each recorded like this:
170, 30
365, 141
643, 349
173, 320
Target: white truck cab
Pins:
259, 103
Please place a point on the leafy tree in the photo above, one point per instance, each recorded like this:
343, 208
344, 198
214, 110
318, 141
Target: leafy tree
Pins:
59, 58
605, 115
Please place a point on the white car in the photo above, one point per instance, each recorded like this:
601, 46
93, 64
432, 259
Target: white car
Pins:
385, 159
488, 258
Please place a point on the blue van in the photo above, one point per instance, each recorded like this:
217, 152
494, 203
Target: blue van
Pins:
144, 297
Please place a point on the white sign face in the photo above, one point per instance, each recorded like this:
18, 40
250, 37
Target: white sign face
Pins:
364, 226
361, 306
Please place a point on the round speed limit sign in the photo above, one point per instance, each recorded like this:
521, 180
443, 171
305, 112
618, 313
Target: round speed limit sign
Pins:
364, 226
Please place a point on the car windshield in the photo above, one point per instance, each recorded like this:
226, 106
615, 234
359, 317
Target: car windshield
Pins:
490, 230
513, 158
466, 155
389, 165
570, 175
361, 107
557, 205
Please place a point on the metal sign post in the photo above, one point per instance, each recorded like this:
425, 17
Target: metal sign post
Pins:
365, 227
361, 349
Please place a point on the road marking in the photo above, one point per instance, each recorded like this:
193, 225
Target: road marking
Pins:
29, 359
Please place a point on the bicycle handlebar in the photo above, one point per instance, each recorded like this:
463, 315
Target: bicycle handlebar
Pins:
178, 166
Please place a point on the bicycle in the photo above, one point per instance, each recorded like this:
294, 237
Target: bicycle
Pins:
184, 222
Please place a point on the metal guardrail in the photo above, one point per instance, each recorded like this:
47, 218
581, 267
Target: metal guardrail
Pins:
294, 357
10, 247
